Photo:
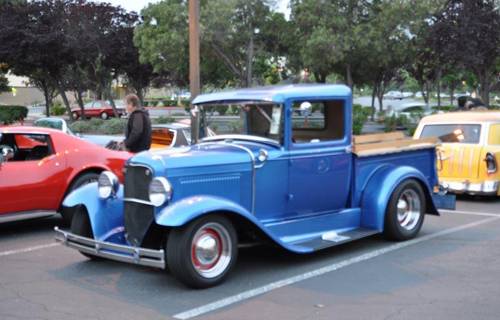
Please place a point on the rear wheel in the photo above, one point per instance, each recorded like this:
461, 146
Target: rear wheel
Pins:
82, 180
75, 115
104, 116
405, 212
80, 225
202, 253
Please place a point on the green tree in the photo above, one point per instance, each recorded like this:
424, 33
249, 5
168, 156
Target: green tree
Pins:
162, 39
467, 33
328, 36
240, 41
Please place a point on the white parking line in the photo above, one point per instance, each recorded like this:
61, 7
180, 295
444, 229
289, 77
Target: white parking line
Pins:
314, 273
29, 249
484, 214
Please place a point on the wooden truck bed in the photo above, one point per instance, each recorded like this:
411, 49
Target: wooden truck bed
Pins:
391, 142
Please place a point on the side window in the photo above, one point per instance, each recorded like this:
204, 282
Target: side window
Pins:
317, 121
494, 135
30, 147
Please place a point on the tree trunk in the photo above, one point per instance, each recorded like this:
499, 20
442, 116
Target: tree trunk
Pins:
453, 85
249, 70
109, 97
79, 100
140, 95
349, 76
48, 100
374, 94
60, 88
439, 88
484, 80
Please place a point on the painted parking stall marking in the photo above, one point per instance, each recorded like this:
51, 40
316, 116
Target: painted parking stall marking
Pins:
321, 271
28, 249
483, 214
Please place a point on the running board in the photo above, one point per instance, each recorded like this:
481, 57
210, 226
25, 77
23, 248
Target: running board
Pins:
332, 238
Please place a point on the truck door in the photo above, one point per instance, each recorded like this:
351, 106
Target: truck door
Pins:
320, 157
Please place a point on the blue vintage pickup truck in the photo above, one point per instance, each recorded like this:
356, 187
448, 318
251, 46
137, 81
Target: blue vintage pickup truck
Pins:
280, 165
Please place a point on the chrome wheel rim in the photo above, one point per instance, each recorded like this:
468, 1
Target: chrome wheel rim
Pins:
211, 250
408, 209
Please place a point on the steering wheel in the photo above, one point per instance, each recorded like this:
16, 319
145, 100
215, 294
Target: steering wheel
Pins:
7, 152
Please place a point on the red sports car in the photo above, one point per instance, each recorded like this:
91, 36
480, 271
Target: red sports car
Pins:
99, 108
39, 166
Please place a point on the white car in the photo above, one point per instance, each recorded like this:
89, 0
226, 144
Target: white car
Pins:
397, 95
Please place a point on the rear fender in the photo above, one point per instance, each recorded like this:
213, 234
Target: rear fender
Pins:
379, 189
106, 216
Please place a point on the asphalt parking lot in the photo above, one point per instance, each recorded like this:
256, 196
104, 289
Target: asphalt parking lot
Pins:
451, 271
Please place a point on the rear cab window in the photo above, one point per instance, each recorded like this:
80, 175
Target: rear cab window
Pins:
453, 133
318, 121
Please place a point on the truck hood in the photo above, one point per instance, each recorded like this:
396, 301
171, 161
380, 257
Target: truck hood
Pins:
177, 161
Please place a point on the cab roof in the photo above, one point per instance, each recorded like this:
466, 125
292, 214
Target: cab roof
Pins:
277, 94
464, 116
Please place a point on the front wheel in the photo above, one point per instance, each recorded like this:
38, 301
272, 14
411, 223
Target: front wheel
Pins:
82, 180
405, 212
104, 116
202, 253
80, 225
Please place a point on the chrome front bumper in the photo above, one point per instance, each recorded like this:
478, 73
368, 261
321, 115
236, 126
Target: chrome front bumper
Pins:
112, 251
481, 188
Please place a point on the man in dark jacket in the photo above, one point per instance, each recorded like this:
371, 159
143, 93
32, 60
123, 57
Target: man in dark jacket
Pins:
138, 131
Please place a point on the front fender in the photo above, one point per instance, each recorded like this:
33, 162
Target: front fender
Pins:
106, 216
378, 191
187, 209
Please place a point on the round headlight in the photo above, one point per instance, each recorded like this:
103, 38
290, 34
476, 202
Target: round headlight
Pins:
107, 184
160, 191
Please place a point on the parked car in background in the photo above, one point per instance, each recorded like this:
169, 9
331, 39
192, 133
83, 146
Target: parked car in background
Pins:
99, 108
53, 123
470, 153
266, 174
40, 166
397, 95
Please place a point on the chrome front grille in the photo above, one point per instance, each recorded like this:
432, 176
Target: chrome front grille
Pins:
138, 214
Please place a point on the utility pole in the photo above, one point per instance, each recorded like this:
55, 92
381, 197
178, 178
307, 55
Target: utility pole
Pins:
194, 63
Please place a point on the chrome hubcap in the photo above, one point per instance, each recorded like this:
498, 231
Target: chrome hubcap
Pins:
211, 250
408, 209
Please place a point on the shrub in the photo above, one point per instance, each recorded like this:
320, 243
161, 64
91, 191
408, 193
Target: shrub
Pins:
81, 126
98, 126
395, 123
113, 126
11, 114
57, 109
359, 117
163, 120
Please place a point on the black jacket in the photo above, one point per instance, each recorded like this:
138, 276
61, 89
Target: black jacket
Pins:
138, 131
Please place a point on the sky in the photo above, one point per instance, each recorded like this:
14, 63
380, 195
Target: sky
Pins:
137, 5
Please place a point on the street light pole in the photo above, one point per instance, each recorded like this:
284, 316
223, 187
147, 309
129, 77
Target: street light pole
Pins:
194, 63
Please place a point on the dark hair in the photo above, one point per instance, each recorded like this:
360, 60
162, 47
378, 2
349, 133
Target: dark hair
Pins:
133, 100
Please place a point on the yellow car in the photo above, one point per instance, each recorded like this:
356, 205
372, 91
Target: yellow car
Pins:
467, 160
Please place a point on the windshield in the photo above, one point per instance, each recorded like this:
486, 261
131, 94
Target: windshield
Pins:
453, 133
49, 123
259, 119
